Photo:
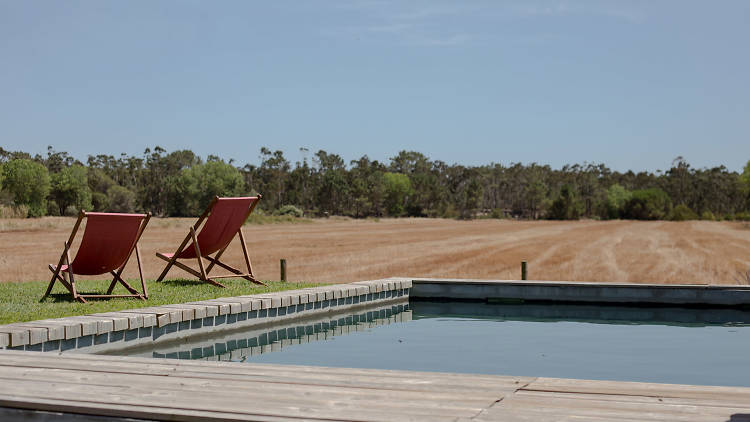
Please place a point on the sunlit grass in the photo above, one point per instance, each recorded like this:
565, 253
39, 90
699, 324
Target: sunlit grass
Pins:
20, 301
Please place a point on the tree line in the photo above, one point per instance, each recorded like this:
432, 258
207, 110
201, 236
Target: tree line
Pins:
180, 183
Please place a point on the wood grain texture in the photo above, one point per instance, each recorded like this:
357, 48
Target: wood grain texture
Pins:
165, 389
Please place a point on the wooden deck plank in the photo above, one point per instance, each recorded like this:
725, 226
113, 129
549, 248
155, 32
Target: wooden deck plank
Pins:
609, 407
265, 392
219, 391
403, 380
166, 401
562, 385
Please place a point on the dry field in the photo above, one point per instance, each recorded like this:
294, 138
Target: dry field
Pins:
342, 250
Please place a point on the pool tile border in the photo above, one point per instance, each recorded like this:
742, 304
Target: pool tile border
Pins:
122, 328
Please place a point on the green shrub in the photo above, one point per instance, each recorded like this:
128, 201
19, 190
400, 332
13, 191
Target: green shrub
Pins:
566, 206
742, 216
120, 199
648, 204
397, 190
497, 213
617, 197
290, 210
28, 183
683, 213
708, 215
52, 209
99, 201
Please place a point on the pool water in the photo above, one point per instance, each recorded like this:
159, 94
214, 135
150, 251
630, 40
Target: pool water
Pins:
664, 345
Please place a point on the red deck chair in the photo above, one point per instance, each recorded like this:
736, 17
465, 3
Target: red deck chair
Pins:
224, 218
108, 242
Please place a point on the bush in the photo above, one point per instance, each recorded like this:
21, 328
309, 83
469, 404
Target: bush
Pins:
120, 199
566, 206
617, 197
99, 201
14, 211
648, 204
52, 209
71, 211
497, 213
397, 191
28, 183
683, 213
742, 216
290, 210
708, 216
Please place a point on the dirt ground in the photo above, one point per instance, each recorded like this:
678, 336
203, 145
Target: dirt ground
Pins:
342, 250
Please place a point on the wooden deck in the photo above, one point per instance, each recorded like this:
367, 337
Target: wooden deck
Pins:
144, 388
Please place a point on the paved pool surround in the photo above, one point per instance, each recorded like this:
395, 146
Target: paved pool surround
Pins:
584, 292
97, 333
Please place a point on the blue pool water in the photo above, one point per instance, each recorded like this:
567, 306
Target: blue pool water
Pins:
665, 345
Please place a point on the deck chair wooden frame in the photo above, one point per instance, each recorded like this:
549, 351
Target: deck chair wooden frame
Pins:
203, 270
64, 271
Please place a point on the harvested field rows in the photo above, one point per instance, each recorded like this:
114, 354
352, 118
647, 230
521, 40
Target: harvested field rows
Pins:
343, 250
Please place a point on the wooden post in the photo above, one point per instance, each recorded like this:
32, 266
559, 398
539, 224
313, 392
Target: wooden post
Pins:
283, 269
524, 272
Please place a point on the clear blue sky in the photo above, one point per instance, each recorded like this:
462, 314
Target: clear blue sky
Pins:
629, 84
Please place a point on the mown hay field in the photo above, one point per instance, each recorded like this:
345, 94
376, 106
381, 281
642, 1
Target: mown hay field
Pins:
342, 250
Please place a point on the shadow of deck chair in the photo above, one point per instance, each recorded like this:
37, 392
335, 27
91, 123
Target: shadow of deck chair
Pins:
223, 218
107, 244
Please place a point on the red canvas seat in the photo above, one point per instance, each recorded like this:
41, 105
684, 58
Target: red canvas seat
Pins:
215, 229
107, 244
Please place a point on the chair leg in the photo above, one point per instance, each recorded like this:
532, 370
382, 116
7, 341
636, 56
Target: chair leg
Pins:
60, 276
112, 284
140, 271
216, 257
55, 272
171, 261
166, 269
198, 254
239, 273
247, 257
70, 274
51, 282
117, 279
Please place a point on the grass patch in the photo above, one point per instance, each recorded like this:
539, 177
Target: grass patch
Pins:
21, 300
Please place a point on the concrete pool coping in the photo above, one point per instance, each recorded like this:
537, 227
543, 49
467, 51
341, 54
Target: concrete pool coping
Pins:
102, 332
589, 292
111, 330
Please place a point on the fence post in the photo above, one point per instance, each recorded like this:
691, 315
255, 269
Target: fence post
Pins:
283, 269
524, 272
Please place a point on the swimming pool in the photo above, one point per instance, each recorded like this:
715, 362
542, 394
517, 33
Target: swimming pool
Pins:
648, 344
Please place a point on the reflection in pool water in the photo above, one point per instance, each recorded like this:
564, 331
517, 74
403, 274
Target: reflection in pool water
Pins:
668, 345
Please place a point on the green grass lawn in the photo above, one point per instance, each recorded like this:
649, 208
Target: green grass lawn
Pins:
20, 301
